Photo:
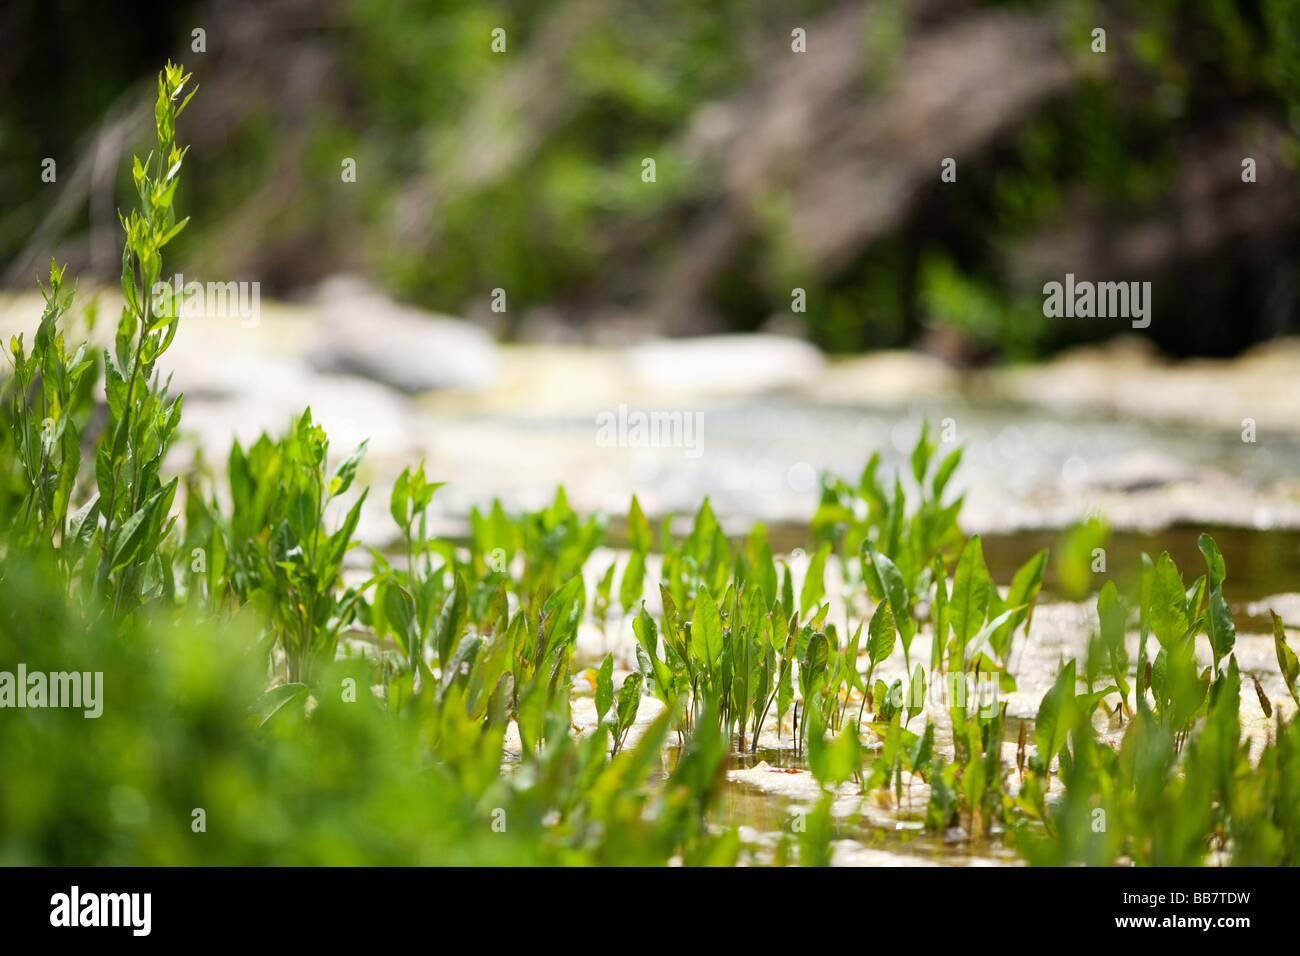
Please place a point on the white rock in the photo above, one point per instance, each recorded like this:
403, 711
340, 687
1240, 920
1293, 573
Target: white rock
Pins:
1135, 471
367, 334
729, 364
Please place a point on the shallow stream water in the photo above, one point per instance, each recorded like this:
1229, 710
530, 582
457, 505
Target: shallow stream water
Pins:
768, 788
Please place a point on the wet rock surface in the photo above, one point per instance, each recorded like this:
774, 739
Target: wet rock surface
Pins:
1112, 430
365, 333
727, 365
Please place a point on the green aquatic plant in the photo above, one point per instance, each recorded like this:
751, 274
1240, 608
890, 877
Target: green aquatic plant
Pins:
422, 708
908, 535
1182, 787
89, 580
116, 541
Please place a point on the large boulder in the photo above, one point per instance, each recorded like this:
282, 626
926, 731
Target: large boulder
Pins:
367, 334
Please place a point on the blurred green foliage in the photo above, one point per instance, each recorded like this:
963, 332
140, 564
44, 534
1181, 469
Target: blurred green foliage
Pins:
229, 728
623, 87
230, 687
627, 91
470, 181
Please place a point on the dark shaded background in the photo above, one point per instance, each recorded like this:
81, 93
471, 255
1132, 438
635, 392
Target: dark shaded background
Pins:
775, 169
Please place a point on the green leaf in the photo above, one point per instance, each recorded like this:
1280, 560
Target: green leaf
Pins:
1112, 617
841, 759
916, 693
880, 634
131, 534
604, 584
892, 586
531, 714
638, 528
563, 610
647, 636
1215, 566
399, 616
332, 556
1184, 685
172, 233
277, 699
921, 454
451, 620
81, 528
706, 631
970, 593
814, 582
1055, 716
633, 584
977, 643
605, 687
787, 592
1219, 627
1025, 586
399, 502
1286, 658
813, 667
922, 751
1168, 603
461, 667
629, 700
944, 473
764, 565
939, 612
347, 470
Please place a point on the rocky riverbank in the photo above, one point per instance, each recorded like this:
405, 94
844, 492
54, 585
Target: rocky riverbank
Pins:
1113, 430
